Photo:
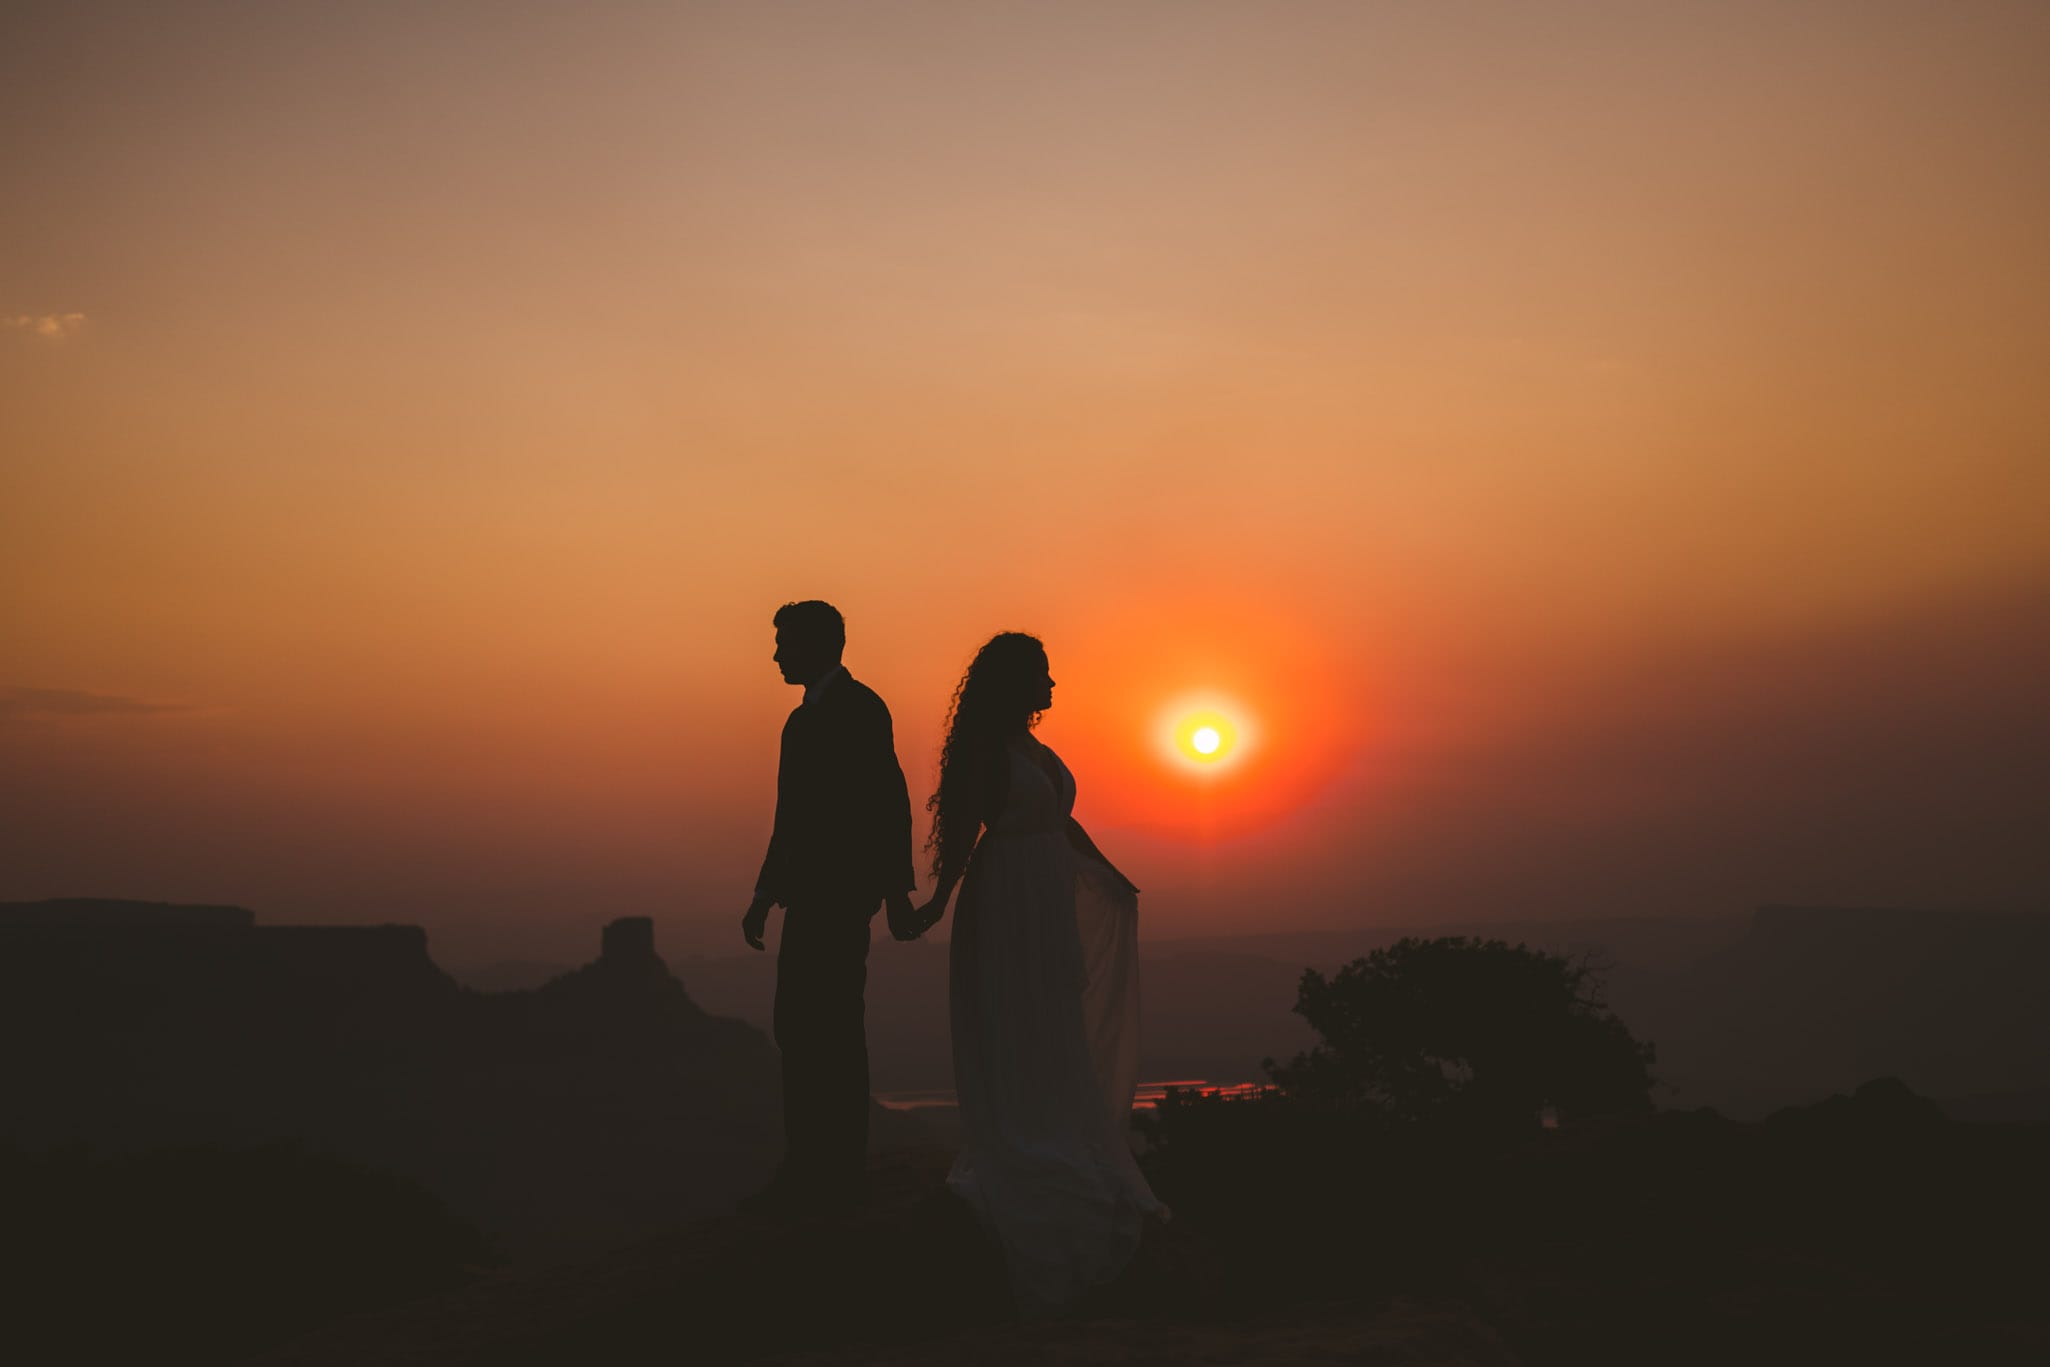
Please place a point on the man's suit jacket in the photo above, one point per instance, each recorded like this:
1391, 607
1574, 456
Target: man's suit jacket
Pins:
843, 814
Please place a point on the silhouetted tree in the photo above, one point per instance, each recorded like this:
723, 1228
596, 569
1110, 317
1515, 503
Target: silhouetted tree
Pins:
1477, 1034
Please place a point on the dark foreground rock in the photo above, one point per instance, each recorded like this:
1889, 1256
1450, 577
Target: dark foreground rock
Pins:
1867, 1227
907, 1280
198, 1254
601, 1107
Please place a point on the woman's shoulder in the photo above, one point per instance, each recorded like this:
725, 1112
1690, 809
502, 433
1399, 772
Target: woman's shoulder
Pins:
1044, 760
1044, 750
1031, 749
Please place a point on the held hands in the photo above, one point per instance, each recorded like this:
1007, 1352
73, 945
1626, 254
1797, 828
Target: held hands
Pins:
909, 923
906, 922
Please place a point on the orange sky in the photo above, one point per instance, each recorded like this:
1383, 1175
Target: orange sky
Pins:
1604, 445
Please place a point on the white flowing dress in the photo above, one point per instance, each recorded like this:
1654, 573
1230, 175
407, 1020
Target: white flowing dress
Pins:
1045, 1011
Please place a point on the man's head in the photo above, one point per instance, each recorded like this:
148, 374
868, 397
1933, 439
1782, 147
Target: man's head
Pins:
809, 638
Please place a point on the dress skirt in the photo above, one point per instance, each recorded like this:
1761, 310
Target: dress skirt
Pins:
1044, 1009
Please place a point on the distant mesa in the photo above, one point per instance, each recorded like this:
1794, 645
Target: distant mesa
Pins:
1880, 922
1815, 998
112, 911
629, 944
599, 1106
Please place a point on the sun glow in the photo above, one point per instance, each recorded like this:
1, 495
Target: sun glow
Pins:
1206, 736
1206, 662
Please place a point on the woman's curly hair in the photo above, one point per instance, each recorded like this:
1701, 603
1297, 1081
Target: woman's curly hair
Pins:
992, 703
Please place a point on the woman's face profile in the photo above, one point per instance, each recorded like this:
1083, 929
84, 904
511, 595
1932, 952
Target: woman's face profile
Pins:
1042, 689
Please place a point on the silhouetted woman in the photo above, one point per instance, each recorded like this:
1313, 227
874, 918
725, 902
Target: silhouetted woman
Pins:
1044, 995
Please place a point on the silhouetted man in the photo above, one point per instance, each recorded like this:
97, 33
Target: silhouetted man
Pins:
841, 847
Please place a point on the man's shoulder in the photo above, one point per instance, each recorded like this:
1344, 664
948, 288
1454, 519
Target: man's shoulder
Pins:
854, 688
855, 700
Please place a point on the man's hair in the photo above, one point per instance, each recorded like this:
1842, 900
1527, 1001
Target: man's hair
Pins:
814, 623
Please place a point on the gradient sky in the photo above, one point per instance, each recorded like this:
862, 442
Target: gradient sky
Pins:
1602, 448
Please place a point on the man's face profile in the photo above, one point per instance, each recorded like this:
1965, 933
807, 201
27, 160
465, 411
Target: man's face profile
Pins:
800, 661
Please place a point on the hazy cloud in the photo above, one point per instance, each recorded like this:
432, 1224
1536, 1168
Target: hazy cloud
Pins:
44, 324
18, 703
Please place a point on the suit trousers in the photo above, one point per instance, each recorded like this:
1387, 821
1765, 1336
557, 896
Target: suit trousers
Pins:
821, 970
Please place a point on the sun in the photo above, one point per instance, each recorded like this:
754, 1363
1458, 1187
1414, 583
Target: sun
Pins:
1206, 736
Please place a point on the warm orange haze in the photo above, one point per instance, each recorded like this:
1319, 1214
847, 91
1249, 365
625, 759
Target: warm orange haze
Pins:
1464, 461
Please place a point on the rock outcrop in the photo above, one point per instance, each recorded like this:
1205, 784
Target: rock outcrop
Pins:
565, 1119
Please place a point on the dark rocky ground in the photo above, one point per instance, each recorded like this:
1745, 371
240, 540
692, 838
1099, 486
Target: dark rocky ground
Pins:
1864, 1228
907, 1280
225, 1143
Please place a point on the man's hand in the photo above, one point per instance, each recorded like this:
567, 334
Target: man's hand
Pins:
927, 916
899, 916
755, 923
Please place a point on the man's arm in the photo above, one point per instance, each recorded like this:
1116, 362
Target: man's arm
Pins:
771, 876
894, 800
772, 880
754, 922
888, 818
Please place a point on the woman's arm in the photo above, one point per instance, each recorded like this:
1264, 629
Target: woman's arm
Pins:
929, 915
1079, 838
992, 802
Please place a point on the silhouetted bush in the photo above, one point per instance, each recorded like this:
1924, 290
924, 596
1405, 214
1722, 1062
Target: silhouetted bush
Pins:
1404, 1154
1436, 1056
1473, 1034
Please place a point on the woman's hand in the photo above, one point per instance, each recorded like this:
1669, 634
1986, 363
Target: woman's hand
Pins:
1079, 838
909, 922
1107, 873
